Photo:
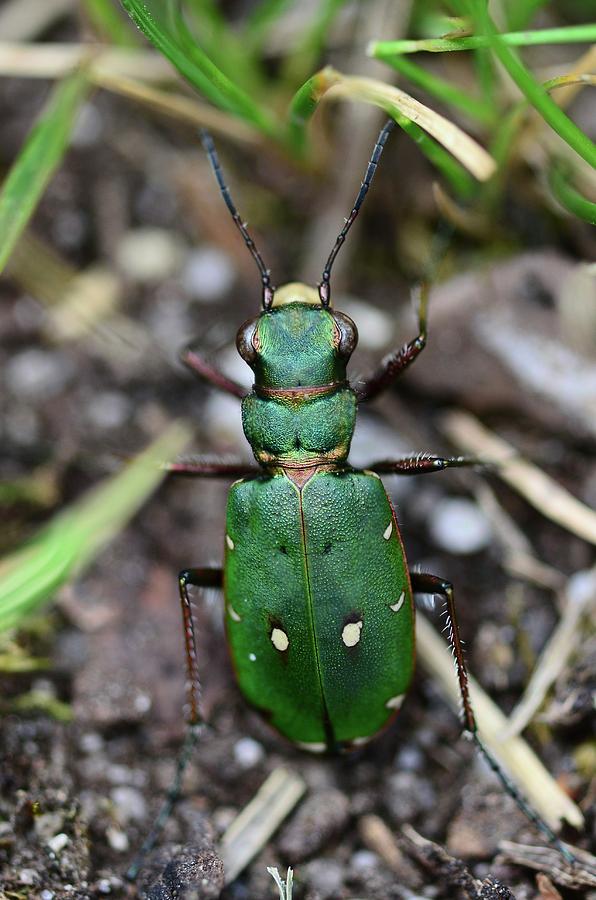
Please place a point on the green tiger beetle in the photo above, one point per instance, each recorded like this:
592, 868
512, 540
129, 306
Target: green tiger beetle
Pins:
319, 610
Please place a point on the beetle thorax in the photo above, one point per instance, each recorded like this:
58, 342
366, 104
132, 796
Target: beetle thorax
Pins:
301, 409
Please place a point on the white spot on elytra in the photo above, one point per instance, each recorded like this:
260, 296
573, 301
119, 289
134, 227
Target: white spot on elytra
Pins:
388, 530
279, 639
229, 542
351, 633
233, 614
397, 606
252, 657
361, 741
395, 702
313, 747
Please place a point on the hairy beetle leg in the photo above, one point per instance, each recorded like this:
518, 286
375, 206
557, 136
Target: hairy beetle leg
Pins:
207, 578
432, 584
208, 468
422, 463
397, 361
211, 374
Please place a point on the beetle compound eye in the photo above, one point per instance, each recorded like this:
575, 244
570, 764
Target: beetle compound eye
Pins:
247, 341
346, 334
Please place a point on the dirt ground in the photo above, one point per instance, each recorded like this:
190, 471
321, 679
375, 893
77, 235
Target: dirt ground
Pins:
78, 794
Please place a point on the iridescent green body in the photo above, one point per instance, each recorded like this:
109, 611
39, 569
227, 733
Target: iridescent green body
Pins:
319, 611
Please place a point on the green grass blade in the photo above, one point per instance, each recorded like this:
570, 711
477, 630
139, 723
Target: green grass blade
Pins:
534, 92
31, 575
109, 24
521, 12
304, 103
568, 196
155, 18
225, 46
310, 45
569, 34
43, 150
440, 88
261, 19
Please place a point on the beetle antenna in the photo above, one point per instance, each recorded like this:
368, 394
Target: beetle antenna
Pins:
324, 289
211, 152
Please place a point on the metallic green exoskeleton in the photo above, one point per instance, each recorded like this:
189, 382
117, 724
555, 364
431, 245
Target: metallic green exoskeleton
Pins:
319, 612
318, 597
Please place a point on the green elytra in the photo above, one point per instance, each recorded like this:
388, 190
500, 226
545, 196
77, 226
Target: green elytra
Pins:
318, 597
319, 612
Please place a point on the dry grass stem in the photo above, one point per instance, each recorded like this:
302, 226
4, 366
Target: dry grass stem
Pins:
579, 598
21, 20
58, 60
547, 859
473, 224
541, 491
518, 556
176, 106
513, 753
253, 827
464, 148
379, 838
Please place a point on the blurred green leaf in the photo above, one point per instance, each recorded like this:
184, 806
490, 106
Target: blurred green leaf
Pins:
31, 575
567, 35
559, 181
43, 150
534, 92
441, 88
309, 46
109, 24
163, 24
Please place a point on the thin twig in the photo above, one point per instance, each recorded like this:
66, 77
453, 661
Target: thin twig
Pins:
514, 754
541, 491
253, 827
579, 596
518, 555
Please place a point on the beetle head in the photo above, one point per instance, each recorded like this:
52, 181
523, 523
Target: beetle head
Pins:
298, 342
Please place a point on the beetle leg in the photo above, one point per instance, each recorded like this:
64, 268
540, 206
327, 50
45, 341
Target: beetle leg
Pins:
207, 468
432, 584
422, 463
397, 361
209, 578
209, 373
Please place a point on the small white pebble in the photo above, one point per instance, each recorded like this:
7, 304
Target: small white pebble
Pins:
365, 859
130, 804
117, 839
91, 742
142, 703
375, 326
208, 274
58, 842
27, 876
149, 254
88, 127
109, 409
458, 525
38, 374
248, 752
47, 895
